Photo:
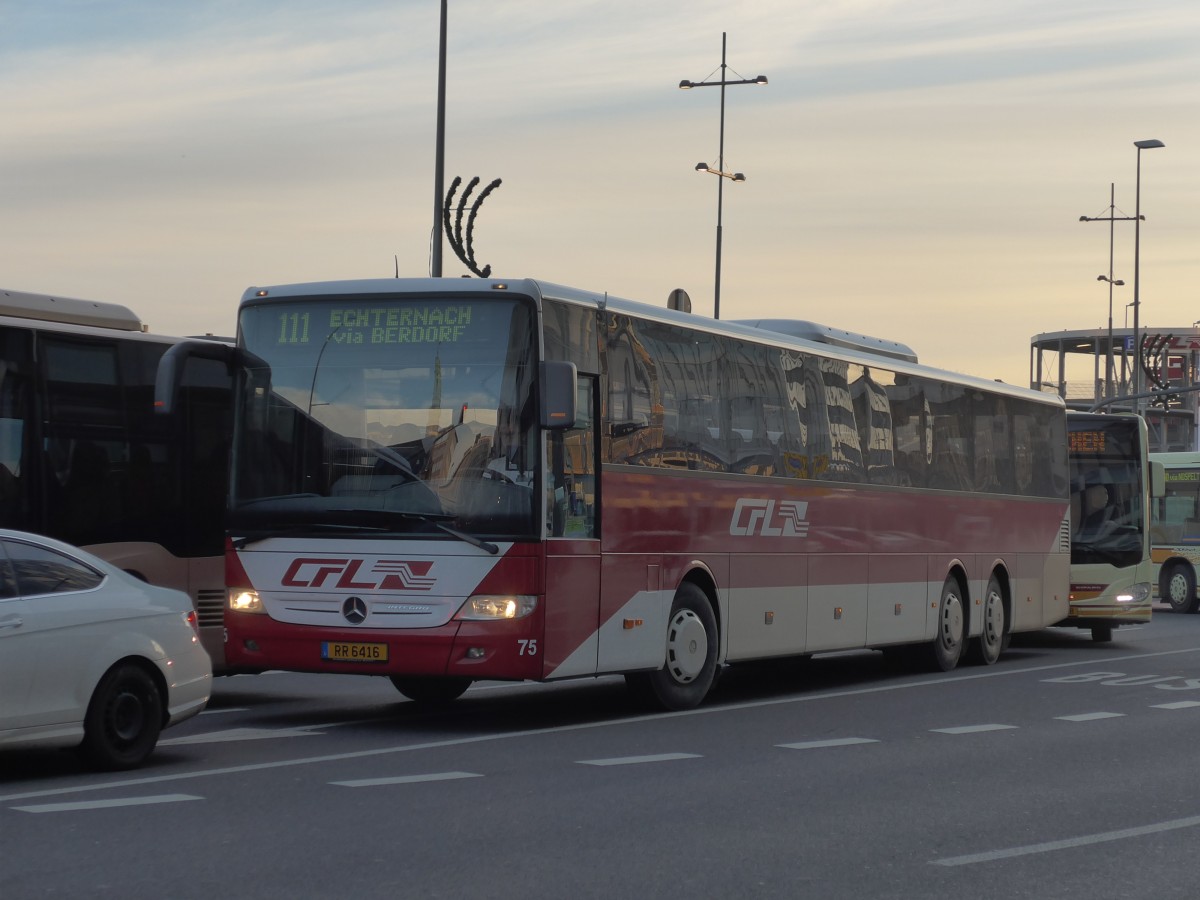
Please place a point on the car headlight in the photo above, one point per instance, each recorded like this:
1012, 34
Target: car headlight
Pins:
497, 606
246, 601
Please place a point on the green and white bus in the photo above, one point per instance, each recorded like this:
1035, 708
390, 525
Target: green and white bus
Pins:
1175, 531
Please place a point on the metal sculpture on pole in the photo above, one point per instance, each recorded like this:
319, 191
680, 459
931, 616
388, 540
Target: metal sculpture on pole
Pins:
461, 241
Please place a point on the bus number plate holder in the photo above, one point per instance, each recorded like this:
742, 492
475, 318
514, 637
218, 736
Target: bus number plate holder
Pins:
347, 651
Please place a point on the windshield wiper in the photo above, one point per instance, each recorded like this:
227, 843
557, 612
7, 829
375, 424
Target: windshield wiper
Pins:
469, 538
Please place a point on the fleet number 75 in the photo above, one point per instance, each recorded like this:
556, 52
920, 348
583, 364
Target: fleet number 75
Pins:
527, 647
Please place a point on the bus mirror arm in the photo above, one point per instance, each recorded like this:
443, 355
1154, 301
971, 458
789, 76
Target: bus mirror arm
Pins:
170, 369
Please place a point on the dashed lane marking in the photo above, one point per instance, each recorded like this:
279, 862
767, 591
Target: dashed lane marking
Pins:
406, 779
106, 804
833, 742
1090, 717
972, 729
638, 760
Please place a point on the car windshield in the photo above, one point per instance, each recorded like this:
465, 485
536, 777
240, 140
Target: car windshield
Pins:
410, 416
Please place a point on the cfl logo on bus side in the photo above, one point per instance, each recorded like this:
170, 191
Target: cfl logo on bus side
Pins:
761, 517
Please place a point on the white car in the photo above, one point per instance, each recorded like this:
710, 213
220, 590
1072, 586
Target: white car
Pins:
90, 655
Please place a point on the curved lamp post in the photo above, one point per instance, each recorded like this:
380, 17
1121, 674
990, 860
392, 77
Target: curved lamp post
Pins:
720, 167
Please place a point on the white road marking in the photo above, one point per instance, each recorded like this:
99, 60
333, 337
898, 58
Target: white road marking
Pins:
637, 760
951, 679
106, 804
971, 729
1068, 843
1179, 704
239, 734
407, 779
833, 742
1090, 717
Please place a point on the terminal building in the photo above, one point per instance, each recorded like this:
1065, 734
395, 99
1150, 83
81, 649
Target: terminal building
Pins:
1093, 369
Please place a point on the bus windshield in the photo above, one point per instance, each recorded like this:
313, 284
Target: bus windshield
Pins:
1108, 520
396, 417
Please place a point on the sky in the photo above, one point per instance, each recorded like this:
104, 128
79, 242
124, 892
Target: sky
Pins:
915, 169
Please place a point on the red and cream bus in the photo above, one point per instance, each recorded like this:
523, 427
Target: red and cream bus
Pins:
445, 480
83, 457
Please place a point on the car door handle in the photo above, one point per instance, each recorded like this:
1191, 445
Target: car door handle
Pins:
10, 621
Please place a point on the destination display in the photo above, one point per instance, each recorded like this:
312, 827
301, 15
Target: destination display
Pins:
433, 323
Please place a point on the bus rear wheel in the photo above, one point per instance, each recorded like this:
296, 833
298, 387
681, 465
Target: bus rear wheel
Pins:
1178, 588
430, 690
947, 647
986, 648
691, 665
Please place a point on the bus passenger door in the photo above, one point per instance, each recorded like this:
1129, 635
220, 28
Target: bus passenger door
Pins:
573, 542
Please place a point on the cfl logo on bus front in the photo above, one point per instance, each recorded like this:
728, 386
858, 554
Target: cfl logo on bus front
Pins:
385, 575
761, 517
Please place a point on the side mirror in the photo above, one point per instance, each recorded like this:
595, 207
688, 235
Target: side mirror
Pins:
558, 385
170, 369
1158, 480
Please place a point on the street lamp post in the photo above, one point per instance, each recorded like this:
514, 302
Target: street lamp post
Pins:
1137, 240
439, 155
1108, 376
720, 169
1112, 218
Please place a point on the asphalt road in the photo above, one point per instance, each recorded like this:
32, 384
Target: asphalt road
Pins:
1067, 770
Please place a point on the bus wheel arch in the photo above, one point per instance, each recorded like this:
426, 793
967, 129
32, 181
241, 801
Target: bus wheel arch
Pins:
953, 625
1177, 586
692, 646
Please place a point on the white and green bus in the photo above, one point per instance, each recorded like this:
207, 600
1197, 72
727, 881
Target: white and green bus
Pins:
1112, 483
1175, 531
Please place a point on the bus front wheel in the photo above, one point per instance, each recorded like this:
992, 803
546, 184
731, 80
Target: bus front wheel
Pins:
1178, 588
691, 665
430, 690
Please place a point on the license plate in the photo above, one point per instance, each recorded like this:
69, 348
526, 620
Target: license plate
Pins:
342, 651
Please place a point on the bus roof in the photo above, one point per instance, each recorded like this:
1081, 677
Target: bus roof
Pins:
817, 338
66, 310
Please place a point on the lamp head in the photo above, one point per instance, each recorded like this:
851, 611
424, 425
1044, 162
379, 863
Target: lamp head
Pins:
761, 79
701, 167
1148, 144
738, 176
685, 85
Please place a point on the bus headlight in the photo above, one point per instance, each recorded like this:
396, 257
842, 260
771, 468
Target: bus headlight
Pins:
246, 601
1137, 593
497, 606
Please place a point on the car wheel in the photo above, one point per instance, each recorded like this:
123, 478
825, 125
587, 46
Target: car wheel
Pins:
124, 719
